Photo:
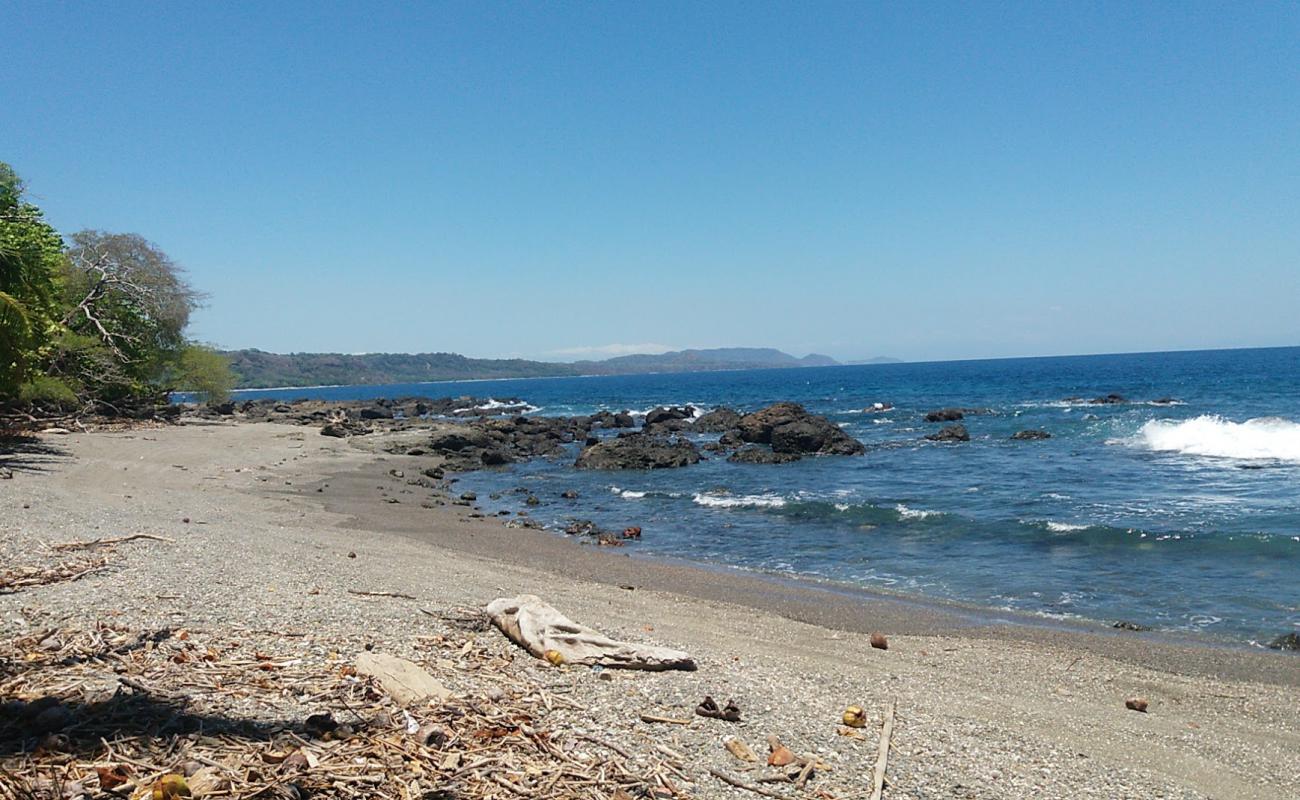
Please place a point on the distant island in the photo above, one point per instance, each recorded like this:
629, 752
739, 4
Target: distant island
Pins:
257, 369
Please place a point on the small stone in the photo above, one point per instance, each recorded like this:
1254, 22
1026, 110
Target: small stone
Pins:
1136, 704
879, 641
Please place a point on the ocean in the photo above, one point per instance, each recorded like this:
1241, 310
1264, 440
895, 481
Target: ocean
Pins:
1182, 516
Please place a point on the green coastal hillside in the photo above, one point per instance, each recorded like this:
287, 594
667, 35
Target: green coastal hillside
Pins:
260, 370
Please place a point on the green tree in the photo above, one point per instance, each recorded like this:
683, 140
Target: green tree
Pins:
31, 256
126, 296
205, 372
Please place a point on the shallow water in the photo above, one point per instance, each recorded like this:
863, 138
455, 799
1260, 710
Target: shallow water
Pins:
1181, 516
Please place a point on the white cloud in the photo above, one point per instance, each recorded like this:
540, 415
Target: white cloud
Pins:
609, 350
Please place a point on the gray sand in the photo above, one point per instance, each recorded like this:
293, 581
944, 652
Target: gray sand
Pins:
984, 709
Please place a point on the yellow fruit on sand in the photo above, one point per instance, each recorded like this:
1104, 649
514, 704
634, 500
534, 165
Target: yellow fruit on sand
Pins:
855, 717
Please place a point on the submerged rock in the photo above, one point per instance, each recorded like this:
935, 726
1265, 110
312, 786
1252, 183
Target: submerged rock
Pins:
638, 451
1125, 625
757, 454
950, 433
666, 414
1031, 435
1287, 641
1109, 400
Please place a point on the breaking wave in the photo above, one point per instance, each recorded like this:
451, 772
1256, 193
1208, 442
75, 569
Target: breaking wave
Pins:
1271, 438
739, 501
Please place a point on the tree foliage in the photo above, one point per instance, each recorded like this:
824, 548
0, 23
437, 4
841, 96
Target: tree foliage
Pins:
205, 372
96, 323
31, 254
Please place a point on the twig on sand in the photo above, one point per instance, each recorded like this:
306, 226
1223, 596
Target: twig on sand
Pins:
739, 784
665, 720
882, 756
360, 593
108, 542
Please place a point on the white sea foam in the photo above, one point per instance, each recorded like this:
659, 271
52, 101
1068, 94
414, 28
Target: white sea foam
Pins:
628, 494
1064, 527
913, 513
739, 501
493, 404
1260, 438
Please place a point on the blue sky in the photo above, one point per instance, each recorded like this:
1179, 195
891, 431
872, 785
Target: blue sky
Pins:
558, 180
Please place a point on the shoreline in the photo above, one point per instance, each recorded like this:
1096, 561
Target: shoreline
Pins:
244, 546
834, 606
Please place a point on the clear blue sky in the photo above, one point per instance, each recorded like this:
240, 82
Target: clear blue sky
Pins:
919, 180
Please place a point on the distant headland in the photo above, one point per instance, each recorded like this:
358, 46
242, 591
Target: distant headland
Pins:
259, 370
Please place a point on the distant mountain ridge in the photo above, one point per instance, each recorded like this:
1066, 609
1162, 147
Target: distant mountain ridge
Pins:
258, 369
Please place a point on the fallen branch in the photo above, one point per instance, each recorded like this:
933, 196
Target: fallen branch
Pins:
665, 720
739, 784
882, 755
380, 594
107, 542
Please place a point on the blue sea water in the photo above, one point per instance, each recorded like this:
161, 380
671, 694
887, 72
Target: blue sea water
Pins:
1179, 516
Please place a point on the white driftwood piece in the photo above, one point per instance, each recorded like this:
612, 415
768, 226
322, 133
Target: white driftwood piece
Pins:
405, 681
538, 627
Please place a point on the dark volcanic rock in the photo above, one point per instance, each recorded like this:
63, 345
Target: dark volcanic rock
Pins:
624, 420
788, 428
954, 414
376, 413
1287, 641
950, 433
638, 451
344, 428
1031, 435
718, 420
1125, 625
665, 414
814, 435
757, 454
757, 427
453, 439
1108, 400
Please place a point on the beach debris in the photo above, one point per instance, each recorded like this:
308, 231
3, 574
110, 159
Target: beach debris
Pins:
855, 717
361, 593
64, 546
404, 680
17, 578
739, 784
538, 627
555, 657
632, 532
709, 708
739, 749
664, 720
169, 787
1136, 704
882, 754
879, 641
113, 776
778, 754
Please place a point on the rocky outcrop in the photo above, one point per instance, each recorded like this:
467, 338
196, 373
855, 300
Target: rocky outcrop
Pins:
950, 433
789, 428
719, 420
757, 454
666, 414
1287, 641
1108, 400
1031, 435
954, 414
638, 451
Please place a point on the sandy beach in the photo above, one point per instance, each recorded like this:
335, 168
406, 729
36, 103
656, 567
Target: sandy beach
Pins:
272, 526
